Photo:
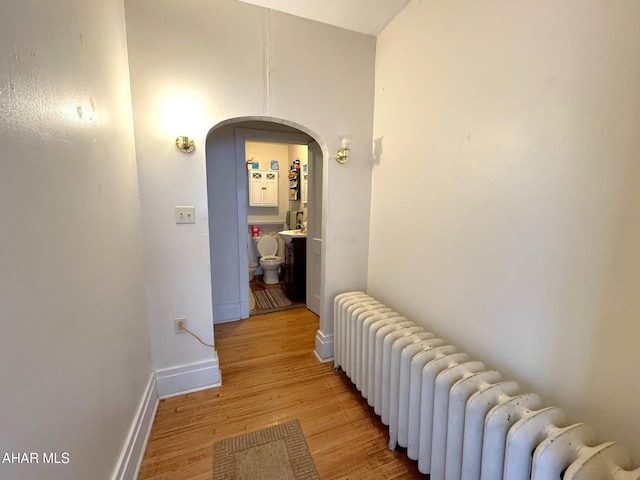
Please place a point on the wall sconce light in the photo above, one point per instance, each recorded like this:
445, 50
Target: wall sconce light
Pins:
342, 155
185, 144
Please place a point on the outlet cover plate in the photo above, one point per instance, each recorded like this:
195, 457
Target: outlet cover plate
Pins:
184, 324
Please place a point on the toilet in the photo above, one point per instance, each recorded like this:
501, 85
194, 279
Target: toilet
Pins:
252, 270
267, 247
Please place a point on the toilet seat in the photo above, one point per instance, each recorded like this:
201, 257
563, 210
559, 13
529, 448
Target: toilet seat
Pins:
267, 246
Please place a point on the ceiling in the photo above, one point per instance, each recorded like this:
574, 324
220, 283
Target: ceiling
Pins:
364, 16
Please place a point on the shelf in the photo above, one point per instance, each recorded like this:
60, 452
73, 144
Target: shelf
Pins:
265, 222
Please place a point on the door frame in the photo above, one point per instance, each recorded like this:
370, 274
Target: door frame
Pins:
314, 228
242, 134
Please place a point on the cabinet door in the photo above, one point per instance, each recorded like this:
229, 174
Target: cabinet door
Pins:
255, 189
270, 183
289, 279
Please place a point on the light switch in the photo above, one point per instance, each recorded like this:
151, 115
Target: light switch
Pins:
185, 214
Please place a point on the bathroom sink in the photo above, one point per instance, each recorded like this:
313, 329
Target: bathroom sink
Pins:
289, 235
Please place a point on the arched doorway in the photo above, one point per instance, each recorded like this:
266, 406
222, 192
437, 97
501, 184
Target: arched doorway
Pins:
227, 204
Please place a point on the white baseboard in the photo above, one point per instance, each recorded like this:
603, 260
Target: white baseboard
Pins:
227, 312
128, 464
188, 378
162, 384
324, 346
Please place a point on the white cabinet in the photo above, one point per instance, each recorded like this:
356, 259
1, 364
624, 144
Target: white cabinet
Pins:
263, 188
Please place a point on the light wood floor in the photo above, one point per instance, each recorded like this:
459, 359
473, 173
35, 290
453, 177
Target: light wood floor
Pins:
269, 376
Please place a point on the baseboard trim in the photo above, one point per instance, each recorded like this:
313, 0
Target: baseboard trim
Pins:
188, 378
128, 464
324, 346
227, 312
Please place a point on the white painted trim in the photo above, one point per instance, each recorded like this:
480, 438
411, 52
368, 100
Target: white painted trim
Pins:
130, 459
228, 320
188, 378
324, 346
228, 312
322, 360
273, 136
243, 232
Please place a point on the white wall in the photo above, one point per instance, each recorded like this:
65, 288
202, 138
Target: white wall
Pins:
74, 347
230, 60
507, 183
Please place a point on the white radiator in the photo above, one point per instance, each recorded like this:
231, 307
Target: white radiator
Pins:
459, 420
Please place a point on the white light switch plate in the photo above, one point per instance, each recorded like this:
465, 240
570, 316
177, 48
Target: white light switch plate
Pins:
185, 214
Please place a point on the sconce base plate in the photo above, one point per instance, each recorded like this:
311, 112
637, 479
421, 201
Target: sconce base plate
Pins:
342, 155
185, 144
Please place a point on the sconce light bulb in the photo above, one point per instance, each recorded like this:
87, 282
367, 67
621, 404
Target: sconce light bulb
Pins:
342, 155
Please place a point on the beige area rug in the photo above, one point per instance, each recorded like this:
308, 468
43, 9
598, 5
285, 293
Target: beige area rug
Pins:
275, 453
272, 300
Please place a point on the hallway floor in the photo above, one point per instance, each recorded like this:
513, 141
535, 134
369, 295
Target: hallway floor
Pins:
270, 376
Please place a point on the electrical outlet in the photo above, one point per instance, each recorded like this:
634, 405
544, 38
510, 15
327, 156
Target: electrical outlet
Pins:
177, 321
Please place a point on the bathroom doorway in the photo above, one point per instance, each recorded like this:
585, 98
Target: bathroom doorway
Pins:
278, 202
229, 163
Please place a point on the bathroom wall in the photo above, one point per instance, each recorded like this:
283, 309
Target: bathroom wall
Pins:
507, 172
285, 154
207, 61
264, 152
74, 346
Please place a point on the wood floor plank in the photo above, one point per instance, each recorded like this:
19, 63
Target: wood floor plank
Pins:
270, 376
